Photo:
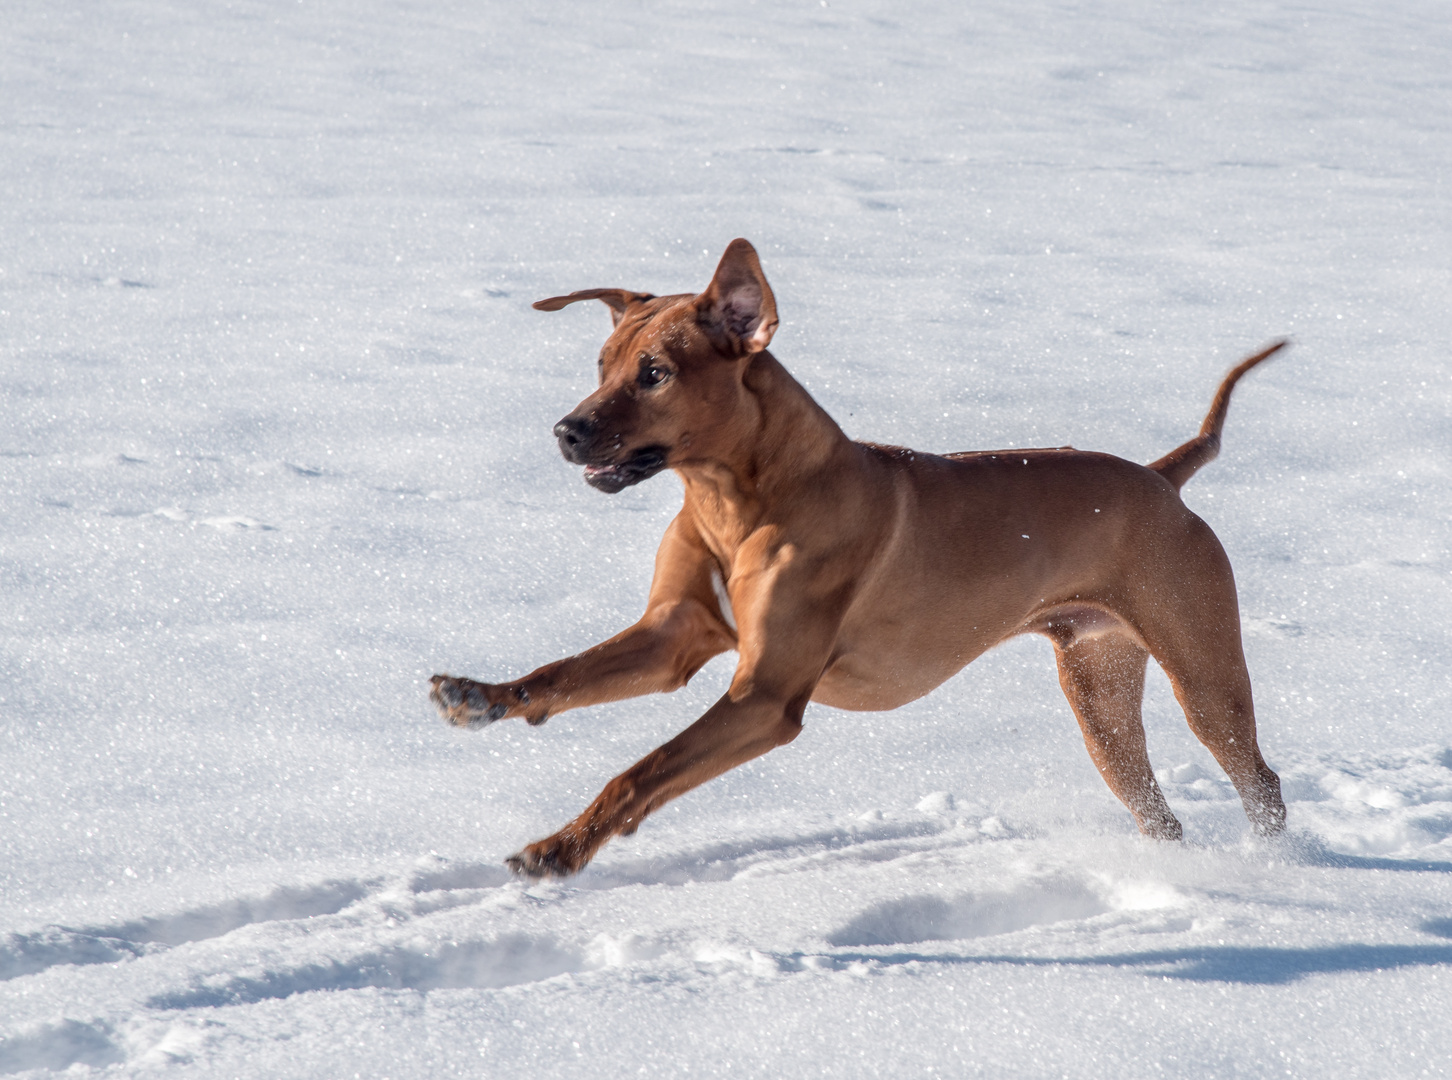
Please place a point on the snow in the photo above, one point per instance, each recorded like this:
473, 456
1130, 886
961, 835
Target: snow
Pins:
723, 599
275, 447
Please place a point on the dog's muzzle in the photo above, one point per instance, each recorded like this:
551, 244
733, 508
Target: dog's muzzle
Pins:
577, 434
574, 433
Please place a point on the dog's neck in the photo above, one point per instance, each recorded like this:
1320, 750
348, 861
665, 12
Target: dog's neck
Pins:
783, 440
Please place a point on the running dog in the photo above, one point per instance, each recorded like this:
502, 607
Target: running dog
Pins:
863, 576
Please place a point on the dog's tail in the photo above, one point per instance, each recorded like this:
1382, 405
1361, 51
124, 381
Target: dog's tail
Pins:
1184, 461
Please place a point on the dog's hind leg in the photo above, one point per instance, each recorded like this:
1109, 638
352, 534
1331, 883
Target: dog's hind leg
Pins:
1103, 678
1193, 630
1213, 687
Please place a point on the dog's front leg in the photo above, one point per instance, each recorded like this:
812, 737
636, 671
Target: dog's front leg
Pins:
730, 733
789, 618
683, 627
659, 653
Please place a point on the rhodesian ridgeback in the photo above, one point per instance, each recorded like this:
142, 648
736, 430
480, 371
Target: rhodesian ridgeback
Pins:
863, 576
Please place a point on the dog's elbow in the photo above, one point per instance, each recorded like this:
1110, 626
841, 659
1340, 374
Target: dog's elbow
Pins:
783, 717
790, 725
692, 635
787, 729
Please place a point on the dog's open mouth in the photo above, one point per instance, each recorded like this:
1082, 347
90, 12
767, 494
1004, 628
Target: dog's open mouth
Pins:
640, 465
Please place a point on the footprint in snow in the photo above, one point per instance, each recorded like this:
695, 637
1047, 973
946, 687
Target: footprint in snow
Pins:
937, 918
30, 953
223, 523
508, 960
58, 1046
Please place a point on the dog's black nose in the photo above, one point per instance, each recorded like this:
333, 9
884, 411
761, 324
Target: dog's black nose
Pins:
573, 429
573, 432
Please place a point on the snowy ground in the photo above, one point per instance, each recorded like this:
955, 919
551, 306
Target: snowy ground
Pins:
275, 447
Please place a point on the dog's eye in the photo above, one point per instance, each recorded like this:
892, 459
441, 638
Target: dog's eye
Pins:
652, 374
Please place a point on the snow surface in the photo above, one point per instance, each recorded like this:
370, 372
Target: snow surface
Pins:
275, 447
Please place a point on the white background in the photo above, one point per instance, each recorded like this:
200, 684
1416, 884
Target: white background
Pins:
275, 447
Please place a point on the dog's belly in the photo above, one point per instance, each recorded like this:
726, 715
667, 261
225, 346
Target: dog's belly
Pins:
894, 648
892, 654
856, 683
990, 547
901, 664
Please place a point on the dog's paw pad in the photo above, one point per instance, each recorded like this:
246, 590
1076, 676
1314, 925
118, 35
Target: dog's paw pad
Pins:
446, 692
522, 864
463, 702
537, 862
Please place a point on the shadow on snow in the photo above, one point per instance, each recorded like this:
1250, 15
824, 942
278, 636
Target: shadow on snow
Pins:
1251, 965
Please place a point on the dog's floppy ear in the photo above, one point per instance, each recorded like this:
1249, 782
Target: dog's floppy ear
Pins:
617, 299
738, 305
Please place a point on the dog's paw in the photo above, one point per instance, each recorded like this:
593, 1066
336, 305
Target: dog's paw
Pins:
556, 857
466, 703
1268, 819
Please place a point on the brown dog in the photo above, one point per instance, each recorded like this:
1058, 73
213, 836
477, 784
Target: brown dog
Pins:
862, 576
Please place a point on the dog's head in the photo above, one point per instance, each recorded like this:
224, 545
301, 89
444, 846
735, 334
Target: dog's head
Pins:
670, 375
